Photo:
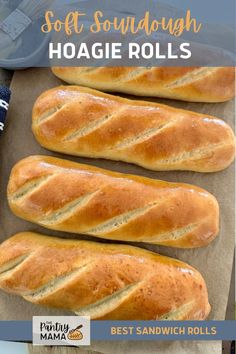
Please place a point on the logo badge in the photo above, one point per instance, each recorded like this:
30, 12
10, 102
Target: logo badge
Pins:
61, 330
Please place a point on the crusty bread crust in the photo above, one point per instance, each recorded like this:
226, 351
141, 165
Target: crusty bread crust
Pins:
66, 196
194, 84
84, 122
109, 282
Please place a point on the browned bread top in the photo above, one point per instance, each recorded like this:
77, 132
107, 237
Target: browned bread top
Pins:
196, 84
66, 196
115, 282
84, 122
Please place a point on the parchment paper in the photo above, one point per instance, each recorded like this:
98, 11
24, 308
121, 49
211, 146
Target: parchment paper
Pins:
214, 261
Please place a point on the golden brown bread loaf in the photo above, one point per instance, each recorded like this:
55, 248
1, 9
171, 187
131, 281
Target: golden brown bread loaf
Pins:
196, 84
80, 121
109, 282
66, 196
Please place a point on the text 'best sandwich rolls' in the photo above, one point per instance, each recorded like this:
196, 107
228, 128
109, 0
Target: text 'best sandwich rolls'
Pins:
109, 282
84, 122
67, 196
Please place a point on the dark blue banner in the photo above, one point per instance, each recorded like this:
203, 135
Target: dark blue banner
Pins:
135, 330
111, 33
